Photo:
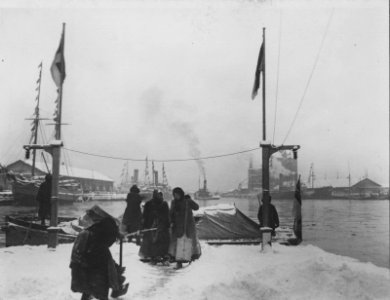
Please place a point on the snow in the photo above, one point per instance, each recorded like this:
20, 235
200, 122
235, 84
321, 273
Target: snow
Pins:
72, 171
223, 272
214, 209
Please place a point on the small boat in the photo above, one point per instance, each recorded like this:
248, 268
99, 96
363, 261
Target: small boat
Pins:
6, 198
204, 194
27, 230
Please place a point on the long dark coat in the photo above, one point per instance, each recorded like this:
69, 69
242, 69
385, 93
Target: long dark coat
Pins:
93, 268
177, 215
43, 197
274, 218
132, 218
155, 243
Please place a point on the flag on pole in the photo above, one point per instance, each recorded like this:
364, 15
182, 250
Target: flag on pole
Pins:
57, 68
298, 211
259, 70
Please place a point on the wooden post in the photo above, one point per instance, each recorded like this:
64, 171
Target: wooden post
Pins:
53, 240
267, 151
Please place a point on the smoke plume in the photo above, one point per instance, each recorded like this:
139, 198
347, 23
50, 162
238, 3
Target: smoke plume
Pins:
185, 130
156, 110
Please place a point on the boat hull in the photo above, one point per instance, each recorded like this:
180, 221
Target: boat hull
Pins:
24, 193
20, 232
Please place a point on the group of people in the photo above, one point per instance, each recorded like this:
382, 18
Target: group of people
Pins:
168, 235
161, 226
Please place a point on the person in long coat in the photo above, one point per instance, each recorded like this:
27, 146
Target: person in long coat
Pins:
132, 218
181, 217
94, 271
155, 243
273, 216
43, 198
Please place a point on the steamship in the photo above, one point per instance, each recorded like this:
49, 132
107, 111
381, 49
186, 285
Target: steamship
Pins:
148, 185
204, 194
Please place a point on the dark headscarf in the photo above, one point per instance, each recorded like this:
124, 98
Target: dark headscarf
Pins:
134, 189
106, 231
178, 190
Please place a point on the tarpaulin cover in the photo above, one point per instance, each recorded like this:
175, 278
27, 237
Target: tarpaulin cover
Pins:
227, 226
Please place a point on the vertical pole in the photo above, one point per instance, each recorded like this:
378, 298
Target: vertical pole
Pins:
266, 199
56, 153
264, 110
53, 240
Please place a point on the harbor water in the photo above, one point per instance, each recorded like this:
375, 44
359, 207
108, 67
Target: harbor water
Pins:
355, 228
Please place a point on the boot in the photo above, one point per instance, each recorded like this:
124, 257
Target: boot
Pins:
121, 292
179, 265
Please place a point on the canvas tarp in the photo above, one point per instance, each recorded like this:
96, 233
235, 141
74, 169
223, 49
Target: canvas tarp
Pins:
226, 225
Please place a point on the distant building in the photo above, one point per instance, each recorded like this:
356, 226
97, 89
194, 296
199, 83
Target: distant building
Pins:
90, 180
254, 178
367, 188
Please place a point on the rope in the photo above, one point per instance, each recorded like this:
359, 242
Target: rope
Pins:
310, 76
277, 76
162, 160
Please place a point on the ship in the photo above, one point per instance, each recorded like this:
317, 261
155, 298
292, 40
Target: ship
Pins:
204, 194
25, 186
148, 185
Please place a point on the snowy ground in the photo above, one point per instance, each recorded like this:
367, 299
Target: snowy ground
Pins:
223, 272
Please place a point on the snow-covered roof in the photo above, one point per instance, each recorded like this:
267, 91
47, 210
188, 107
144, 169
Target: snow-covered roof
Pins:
72, 171
334, 182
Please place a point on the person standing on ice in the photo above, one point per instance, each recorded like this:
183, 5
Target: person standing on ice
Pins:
43, 198
183, 226
132, 218
273, 219
94, 271
155, 243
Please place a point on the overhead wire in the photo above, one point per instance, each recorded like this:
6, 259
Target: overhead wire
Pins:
310, 76
277, 76
163, 160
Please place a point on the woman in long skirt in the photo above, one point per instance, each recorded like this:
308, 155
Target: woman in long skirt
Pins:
155, 243
183, 224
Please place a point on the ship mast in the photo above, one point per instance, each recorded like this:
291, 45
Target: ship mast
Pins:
36, 121
349, 180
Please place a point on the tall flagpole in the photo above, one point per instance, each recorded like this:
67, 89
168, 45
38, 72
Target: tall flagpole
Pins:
264, 116
56, 153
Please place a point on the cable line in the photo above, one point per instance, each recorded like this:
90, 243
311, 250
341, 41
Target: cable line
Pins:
310, 76
163, 160
277, 76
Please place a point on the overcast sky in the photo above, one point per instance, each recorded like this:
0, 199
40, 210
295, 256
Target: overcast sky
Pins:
153, 78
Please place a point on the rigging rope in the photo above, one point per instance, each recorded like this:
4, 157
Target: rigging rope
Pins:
310, 76
277, 76
163, 160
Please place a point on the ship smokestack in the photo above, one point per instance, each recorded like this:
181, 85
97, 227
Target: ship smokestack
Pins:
135, 176
155, 177
205, 185
280, 181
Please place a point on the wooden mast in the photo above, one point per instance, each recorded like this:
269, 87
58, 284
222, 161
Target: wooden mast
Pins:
36, 120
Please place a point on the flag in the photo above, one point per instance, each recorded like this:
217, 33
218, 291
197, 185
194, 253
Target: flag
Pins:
298, 211
57, 68
259, 69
